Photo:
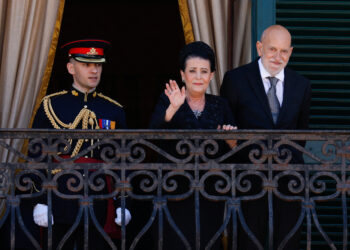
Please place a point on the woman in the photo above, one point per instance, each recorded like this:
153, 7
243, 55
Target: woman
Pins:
190, 107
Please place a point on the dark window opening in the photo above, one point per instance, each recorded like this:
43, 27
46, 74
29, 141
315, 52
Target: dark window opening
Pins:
146, 37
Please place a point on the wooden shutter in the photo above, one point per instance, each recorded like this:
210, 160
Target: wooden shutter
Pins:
321, 41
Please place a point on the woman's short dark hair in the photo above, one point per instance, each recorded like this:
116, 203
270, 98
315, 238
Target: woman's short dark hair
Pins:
197, 49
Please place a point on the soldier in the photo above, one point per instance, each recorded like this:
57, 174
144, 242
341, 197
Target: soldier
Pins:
81, 107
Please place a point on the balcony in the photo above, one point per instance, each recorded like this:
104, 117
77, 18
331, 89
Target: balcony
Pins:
149, 172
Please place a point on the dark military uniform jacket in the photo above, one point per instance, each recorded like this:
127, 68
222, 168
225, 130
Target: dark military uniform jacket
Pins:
75, 110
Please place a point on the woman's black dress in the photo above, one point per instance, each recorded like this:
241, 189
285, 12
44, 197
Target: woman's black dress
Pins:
216, 112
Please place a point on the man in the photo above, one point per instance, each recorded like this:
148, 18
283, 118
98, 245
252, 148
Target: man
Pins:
265, 94
82, 107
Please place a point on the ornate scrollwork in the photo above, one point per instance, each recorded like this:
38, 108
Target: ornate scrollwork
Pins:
256, 155
284, 155
147, 184
137, 152
295, 185
185, 149
208, 148
246, 185
187, 167
27, 180
71, 180
330, 149
36, 149
319, 186
110, 151
97, 180
171, 184
219, 186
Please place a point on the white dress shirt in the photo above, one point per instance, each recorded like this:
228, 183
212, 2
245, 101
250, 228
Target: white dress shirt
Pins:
280, 84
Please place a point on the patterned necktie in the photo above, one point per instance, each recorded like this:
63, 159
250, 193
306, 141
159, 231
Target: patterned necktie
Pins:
272, 97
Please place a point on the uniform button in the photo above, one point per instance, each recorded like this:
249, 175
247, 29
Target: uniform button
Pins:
86, 140
86, 156
85, 106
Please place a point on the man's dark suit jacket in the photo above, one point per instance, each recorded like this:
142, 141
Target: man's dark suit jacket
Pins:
244, 90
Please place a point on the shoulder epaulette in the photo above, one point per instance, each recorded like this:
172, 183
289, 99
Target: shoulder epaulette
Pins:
109, 99
54, 94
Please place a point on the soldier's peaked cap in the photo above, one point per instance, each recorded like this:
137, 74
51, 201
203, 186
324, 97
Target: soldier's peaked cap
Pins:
87, 50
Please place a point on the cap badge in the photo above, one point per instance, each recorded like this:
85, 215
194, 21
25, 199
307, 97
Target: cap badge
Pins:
92, 52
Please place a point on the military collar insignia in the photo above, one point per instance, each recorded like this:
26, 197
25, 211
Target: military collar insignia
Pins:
76, 93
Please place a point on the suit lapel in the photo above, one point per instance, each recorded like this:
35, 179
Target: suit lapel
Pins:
258, 87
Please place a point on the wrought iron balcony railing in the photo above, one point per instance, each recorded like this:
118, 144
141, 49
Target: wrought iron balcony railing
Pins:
160, 175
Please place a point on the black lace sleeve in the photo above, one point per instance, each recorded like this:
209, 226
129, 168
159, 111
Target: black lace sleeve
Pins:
158, 116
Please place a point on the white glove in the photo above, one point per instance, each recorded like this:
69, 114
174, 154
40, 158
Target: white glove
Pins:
40, 215
118, 219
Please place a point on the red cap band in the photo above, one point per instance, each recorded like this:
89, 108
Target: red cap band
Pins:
86, 51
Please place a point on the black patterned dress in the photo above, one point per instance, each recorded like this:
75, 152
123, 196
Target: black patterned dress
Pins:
216, 112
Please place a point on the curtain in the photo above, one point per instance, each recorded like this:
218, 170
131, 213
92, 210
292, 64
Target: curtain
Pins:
242, 38
225, 25
28, 38
27, 31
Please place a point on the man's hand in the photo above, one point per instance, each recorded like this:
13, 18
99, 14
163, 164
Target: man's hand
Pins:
118, 218
40, 215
